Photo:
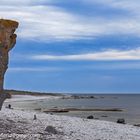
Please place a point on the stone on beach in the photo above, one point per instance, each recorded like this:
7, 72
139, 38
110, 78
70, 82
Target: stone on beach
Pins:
90, 117
35, 117
51, 129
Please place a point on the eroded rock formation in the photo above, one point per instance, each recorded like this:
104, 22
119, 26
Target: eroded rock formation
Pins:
7, 42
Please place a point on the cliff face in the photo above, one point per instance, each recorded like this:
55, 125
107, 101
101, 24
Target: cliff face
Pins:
7, 42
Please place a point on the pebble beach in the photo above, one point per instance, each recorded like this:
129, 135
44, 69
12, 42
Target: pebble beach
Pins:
31, 125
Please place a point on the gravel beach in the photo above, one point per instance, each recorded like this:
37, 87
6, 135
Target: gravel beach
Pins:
30, 125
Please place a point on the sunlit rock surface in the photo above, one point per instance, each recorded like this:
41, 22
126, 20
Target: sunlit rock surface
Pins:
7, 42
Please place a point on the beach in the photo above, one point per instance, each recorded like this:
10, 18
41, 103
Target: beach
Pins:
74, 73
34, 125
102, 107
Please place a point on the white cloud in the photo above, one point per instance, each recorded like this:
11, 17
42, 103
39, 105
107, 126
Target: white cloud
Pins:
24, 2
33, 69
45, 22
102, 66
117, 3
104, 55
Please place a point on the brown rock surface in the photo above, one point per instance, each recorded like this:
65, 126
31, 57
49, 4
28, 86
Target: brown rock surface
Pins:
7, 42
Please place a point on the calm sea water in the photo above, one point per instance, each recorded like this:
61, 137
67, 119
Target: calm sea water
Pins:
129, 103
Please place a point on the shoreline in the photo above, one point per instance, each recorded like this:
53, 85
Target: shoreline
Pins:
52, 105
25, 97
33, 125
19, 92
17, 124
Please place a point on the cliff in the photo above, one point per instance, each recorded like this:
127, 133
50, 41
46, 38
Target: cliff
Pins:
7, 42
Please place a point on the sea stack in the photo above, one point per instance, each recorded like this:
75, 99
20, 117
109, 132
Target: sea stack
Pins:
7, 42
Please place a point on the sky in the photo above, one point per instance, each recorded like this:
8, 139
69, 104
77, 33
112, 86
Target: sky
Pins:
74, 46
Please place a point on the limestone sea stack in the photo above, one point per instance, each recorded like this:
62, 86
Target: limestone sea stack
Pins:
7, 42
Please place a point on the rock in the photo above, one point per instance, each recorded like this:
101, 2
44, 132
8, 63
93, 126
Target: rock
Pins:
122, 121
51, 129
35, 118
81, 97
37, 109
102, 97
56, 110
9, 106
91, 97
76, 97
138, 125
3, 96
7, 42
90, 117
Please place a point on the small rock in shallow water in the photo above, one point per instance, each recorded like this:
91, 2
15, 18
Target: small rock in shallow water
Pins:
122, 121
138, 125
90, 117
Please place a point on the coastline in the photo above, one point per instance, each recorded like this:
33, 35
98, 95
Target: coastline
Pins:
33, 97
21, 125
78, 107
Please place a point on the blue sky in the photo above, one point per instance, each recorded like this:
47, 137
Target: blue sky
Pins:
75, 46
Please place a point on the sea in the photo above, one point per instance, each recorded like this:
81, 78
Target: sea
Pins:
129, 103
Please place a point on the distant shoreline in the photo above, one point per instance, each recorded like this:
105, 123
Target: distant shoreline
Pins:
22, 92
18, 92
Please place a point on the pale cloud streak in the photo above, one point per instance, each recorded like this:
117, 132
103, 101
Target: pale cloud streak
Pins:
104, 55
33, 69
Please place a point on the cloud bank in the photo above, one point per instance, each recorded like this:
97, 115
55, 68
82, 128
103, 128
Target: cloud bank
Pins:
104, 55
44, 21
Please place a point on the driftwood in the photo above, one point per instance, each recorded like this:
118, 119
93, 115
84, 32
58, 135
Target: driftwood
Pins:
7, 42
